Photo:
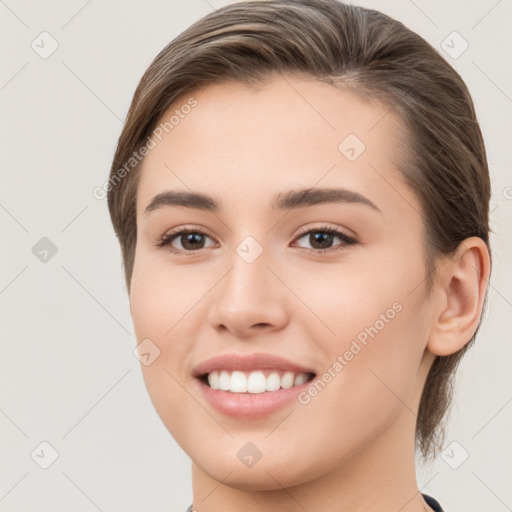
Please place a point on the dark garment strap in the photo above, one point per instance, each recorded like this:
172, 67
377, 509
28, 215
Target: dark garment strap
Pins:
432, 503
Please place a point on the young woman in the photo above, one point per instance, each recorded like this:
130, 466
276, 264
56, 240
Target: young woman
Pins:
301, 196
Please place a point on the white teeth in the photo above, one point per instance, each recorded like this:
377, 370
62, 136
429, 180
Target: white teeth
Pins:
300, 379
255, 381
214, 380
238, 382
273, 382
287, 380
224, 380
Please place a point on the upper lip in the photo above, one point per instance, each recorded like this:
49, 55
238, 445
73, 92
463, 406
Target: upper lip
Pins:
248, 362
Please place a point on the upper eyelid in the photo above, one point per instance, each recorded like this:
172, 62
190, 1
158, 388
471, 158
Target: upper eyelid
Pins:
338, 230
185, 229
302, 231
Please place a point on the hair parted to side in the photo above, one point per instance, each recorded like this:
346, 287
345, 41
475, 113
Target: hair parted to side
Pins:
362, 51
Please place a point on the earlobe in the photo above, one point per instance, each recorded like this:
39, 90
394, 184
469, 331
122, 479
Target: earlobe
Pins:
461, 292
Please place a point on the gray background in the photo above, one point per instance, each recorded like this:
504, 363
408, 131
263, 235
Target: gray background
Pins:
68, 374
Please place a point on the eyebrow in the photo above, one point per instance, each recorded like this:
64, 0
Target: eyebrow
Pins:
284, 201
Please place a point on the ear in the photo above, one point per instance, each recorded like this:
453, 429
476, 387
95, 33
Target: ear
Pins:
459, 292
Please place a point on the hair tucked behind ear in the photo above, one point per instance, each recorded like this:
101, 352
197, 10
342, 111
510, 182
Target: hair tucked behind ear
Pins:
360, 50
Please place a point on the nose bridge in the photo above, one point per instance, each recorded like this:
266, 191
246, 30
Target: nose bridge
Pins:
248, 295
249, 273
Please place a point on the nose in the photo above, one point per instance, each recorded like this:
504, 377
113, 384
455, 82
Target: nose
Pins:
250, 299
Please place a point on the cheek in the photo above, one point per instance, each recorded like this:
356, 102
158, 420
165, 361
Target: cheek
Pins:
363, 300
162, 295
372, 328
159, 303
370, 376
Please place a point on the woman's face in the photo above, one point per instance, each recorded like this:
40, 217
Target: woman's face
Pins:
259, 274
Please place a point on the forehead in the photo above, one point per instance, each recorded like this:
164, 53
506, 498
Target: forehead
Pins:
288, 132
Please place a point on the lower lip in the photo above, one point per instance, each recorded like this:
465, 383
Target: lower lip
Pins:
250, 405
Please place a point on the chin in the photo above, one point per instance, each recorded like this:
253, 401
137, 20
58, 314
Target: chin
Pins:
279, 466
262, 477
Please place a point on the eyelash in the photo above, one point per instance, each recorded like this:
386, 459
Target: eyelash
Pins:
167, 239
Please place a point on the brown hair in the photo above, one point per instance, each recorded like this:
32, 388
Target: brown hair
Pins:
365, 52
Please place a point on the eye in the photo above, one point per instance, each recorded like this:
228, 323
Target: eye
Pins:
189, 239
321, 239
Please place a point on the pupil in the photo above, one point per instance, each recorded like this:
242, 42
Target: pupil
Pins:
194, 239
323, 239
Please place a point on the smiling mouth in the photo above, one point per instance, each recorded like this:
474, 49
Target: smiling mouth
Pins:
256, 381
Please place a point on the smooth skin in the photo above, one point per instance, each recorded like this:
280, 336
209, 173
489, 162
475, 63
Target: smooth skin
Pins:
351, 448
